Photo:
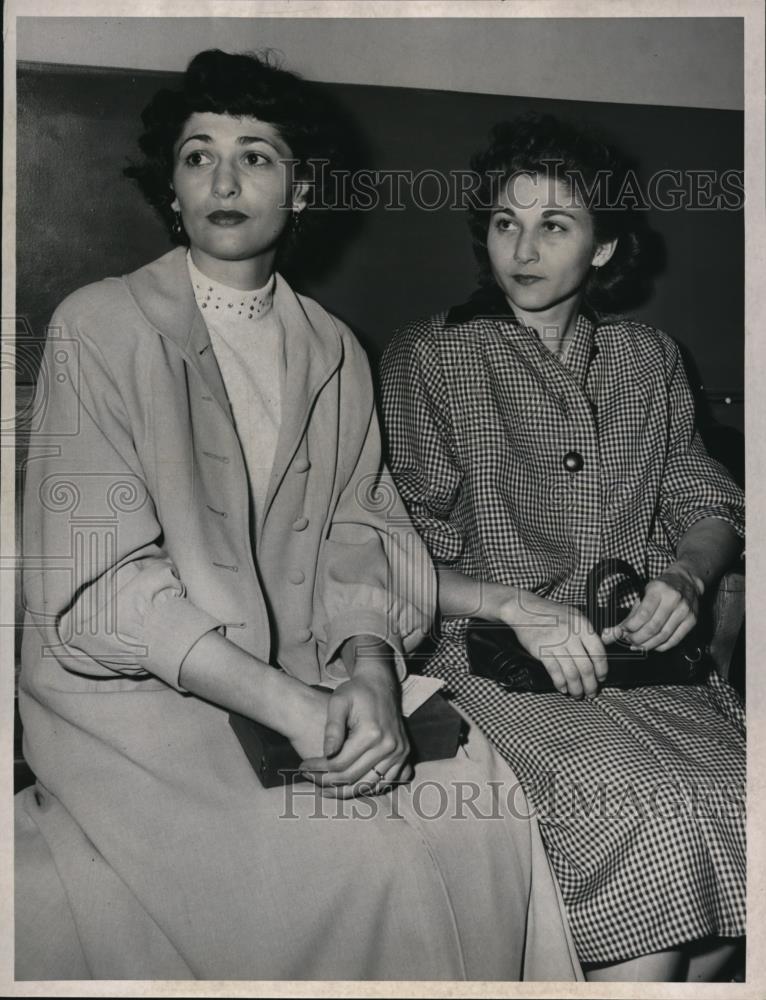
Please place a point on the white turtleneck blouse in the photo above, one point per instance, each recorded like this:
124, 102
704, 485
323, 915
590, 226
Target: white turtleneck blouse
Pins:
248, 340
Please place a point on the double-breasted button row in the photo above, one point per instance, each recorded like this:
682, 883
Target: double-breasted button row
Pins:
297, 576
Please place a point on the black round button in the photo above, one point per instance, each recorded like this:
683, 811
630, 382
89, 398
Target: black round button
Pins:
573, 461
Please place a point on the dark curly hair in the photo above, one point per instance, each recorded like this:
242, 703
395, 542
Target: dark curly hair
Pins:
242, 84
592, 167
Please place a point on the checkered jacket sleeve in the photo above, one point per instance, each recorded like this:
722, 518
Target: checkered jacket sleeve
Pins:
416, 406
694, 485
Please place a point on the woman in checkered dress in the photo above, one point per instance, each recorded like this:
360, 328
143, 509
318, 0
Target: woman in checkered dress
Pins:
532, 434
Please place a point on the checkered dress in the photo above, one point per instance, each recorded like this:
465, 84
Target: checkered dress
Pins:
639, 794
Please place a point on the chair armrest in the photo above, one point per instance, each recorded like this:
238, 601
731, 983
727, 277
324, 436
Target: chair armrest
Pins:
728, 614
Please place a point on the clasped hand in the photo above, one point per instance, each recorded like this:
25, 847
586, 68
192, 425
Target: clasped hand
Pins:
668, 611
364, 746
574, 655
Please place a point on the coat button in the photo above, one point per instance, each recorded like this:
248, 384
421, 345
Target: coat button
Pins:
301, 524
301, 465
573, 461
296, 576
304, 634
336, 671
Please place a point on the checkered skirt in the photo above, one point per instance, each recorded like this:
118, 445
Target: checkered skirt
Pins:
640, 800
639, 794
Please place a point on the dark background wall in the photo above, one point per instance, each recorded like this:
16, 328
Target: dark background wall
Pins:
78, 219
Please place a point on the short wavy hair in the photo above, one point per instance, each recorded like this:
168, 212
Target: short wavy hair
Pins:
241, 84
543, 144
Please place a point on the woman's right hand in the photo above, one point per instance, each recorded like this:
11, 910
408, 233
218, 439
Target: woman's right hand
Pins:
316, 737
561, 637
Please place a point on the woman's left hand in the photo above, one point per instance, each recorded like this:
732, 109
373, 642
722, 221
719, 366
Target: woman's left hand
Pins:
366, 747
667, 612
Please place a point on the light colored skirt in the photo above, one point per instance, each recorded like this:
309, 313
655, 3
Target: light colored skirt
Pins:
149, 850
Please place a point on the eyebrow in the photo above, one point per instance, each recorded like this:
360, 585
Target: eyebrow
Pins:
546, 213
242, 140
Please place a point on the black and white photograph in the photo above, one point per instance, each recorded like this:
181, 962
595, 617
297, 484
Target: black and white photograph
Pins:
375, 408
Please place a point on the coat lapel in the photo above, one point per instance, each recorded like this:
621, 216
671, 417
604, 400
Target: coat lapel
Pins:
164, 293
313, 352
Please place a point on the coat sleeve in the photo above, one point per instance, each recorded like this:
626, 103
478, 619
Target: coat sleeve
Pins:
98, 583
375, 577
694, 485
415, 407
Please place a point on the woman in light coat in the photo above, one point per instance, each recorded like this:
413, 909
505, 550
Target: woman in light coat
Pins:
204, 504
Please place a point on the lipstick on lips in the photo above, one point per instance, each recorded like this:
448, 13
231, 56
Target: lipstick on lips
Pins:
221, 218
526, 279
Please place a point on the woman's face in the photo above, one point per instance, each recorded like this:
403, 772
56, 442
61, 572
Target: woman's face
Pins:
233, 187
541, 243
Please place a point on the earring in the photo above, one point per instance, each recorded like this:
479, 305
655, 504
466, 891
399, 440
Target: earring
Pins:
296, 220
177, 228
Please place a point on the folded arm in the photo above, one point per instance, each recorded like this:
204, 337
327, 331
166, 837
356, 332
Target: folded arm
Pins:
99, 585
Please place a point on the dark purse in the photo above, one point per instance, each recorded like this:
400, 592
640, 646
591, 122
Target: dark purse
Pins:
495, 652
435, 731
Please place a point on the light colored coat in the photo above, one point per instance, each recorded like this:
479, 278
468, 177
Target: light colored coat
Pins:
147, 848
137, 488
